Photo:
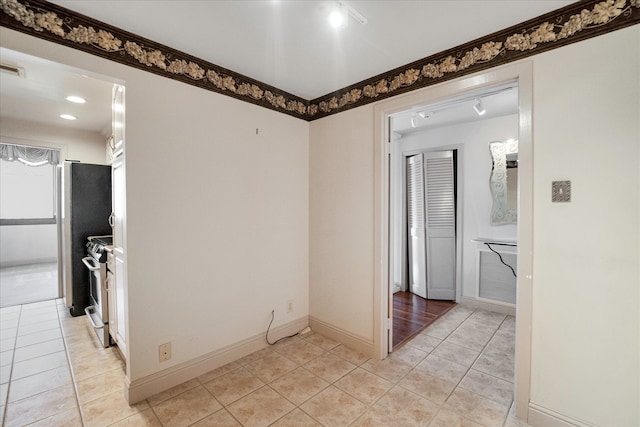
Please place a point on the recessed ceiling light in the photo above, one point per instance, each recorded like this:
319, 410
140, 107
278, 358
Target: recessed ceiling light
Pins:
76, 99
68, 117
339, 17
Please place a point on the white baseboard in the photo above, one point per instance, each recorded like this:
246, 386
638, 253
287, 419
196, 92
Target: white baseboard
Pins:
540, 416
343, 337
142, 388
485, 305
21, 262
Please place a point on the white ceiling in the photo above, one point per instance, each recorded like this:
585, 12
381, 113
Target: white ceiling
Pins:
287, 44
38, 95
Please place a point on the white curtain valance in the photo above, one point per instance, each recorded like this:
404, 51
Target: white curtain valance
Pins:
31, 156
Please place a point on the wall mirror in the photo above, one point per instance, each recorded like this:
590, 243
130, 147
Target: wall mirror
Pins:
504, 182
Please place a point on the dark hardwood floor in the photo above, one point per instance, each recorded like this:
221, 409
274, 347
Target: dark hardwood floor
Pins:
411, 314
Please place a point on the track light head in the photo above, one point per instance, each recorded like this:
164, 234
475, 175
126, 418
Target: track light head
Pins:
413, 120
479, 108
339, 16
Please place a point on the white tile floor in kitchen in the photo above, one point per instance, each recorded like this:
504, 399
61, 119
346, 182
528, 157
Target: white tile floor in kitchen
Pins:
458, 372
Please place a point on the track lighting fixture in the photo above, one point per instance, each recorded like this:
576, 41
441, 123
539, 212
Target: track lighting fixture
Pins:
422, 116
479, 108
339, 17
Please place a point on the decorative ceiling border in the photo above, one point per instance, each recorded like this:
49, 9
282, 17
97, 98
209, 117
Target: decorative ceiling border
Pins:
573, 23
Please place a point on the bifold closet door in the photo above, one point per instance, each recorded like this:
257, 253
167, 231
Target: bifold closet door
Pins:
415, 223
440, 225
431, 225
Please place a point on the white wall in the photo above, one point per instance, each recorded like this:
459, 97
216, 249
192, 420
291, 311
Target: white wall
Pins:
217, 216
217, 219
586, 329
17, 242
87, 147
341, 221
475, 165
586, 326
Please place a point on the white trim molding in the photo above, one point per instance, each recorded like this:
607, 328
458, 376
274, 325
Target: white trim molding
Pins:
140, 389
342, 336
545, 417
508, 309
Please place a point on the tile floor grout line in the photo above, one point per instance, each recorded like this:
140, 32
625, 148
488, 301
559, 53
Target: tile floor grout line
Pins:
439, 408
471, 367
70, 366
397, 383
369, 406
13, 355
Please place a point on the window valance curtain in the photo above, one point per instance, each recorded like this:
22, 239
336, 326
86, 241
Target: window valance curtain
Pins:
31, 156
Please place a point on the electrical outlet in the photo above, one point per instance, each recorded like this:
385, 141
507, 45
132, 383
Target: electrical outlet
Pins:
164, 352
290, 306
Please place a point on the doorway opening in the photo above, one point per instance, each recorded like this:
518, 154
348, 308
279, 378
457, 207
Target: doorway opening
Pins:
426, 285
50, 113
441, 200
387, 230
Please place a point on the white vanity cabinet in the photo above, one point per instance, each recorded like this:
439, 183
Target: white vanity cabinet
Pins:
496, 272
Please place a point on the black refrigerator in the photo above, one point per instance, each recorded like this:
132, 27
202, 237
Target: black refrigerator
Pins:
86, 193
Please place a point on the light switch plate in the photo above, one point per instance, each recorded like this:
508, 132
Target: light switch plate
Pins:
561, 191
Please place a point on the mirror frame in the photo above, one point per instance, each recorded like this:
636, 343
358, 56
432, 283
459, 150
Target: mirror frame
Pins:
500, 214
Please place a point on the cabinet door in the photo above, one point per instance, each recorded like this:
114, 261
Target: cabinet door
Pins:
116, 142
111, 297
121, 337
118, 221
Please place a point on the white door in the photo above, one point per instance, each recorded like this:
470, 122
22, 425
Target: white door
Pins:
440, 225
118, 283
415, 223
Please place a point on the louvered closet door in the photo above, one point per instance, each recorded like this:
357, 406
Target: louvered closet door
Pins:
440, 225
415, 223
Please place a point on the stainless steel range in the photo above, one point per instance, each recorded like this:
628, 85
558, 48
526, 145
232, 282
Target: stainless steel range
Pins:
96, 261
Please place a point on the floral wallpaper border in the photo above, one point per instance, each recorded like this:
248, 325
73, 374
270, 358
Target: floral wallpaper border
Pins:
575, 22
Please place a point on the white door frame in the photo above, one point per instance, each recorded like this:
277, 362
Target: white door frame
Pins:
522, 72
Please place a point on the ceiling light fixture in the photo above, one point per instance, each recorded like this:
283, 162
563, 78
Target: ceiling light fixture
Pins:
12, 70
413, 121
339, 16
76, 99
429, 111
478, 107
68, 117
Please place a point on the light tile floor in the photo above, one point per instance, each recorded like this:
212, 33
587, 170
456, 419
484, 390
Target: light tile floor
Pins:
24, 284
458, 372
